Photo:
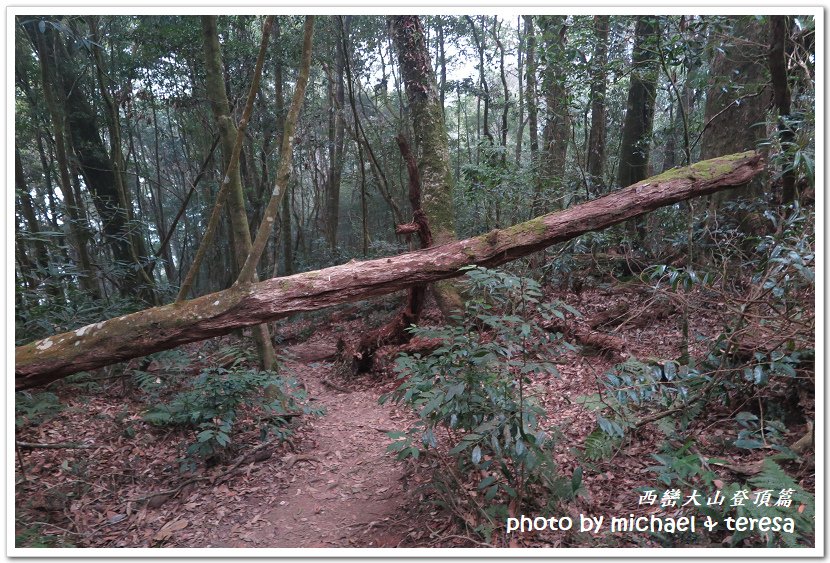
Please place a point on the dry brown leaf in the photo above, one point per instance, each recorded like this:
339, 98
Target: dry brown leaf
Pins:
168, 529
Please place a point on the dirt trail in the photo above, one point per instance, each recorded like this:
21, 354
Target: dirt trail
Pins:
341, 488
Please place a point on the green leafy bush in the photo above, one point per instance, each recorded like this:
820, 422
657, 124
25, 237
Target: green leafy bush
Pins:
474, 392
212, 401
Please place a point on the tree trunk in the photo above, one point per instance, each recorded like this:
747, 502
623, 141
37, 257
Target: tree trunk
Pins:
77, 225
337, 130
283, 175
228, 137
639, 114
557, 121
41, 255
430, 140
530, 92
285, 215
442, 62
136, 244
736, 101
482, 79
782, 98
161, 328
599, 76
520, 94
505, 90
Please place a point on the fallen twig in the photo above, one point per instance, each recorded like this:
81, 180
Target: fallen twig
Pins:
213, 480
55, 446
334, 386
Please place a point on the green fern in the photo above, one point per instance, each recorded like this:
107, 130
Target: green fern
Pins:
599, 445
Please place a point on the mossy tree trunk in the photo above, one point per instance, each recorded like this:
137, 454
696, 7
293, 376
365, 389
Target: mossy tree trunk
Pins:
431, 142
161, 328
241, 233
557, 129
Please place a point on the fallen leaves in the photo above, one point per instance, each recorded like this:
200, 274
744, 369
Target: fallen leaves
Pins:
169, 529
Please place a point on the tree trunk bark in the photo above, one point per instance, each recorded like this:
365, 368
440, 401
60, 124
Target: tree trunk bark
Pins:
639, 113
779, 33
558, 122
229, 140
737, 99
285, 215
161, 328
337, 138
430, 141
596, 137
520, 120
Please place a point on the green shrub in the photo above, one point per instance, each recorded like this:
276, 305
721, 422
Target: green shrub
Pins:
35, 408
211, 403
474, 391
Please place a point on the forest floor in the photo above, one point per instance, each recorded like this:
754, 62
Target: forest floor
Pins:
332, 484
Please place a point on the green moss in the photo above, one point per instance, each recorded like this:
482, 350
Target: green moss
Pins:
705, 170
534, 227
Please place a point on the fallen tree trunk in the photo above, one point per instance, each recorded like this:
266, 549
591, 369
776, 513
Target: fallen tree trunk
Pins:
161, 328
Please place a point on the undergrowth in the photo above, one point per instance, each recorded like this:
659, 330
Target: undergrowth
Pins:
477, 408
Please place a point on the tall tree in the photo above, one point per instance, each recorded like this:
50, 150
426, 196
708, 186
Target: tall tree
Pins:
217, 94
639, 114
736, 95
520, 131
779, 34
337, 129
285, 215
430, 139
557, 117
531, 98
599, 77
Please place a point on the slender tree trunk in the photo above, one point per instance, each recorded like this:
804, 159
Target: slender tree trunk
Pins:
230, 154
337, 140
135, 243
521, 94
442, 62
41, 255
248, 270
531, 98
505, 90
599, 76
781, 95
285, 216
482, 79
